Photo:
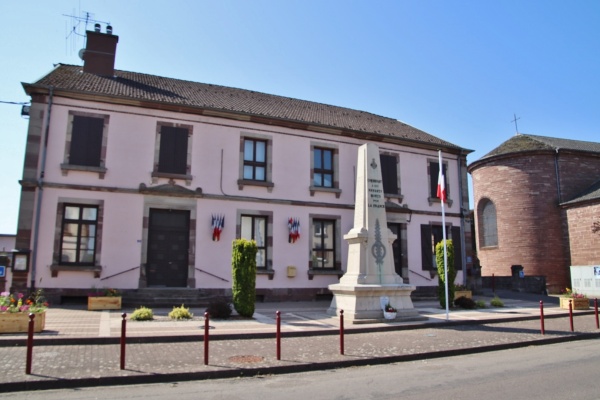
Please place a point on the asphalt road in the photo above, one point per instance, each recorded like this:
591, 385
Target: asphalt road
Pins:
561, 371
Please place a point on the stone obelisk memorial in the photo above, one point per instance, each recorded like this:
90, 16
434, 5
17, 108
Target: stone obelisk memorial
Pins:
370, 279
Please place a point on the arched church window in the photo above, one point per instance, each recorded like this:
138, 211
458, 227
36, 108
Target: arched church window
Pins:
489, 228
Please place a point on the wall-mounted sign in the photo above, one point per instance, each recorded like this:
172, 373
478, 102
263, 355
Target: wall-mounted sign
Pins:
2, 271
20, 261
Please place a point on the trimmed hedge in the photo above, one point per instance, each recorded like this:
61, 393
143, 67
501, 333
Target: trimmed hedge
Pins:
439, 259
243, 263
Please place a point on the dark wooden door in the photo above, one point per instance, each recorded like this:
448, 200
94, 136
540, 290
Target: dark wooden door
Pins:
168, 245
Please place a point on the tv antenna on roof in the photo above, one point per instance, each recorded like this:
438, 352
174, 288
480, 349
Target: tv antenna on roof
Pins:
79, 23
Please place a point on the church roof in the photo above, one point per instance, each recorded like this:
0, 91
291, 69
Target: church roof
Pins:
174, 94
591, 194
524, 143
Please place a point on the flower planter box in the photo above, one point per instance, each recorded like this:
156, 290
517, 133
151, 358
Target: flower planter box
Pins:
578, 303
104, 303
19, 322
463, 293
389, 315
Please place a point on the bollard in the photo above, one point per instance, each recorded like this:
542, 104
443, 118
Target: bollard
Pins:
571, 314
596, 312
206, 339
542, 316
123, 336
29, 343
342, 332
278, 334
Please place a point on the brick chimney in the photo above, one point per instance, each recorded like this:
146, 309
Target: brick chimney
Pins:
100, 51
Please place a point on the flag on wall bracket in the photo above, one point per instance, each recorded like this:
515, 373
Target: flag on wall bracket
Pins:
294, 230
217, 224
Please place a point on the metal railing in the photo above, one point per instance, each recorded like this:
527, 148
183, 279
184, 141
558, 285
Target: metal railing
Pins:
118, 273
211, 274
422, 276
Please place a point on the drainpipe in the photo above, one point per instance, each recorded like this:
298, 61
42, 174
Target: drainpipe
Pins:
463, 252
40, 191
557, 177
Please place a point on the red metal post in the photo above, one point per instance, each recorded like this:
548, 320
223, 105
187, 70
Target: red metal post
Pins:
30, 343
342, 332
571, 314
123, 336
596, 312
278, 334
206, 328
542, 316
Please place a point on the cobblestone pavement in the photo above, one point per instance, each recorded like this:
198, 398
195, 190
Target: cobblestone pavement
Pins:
81, 348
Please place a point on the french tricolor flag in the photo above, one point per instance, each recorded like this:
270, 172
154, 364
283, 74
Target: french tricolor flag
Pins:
441, 188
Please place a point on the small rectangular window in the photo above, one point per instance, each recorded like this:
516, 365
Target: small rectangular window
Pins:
323, 167
173, 150
86, 141
255, 160
255, 228
78, 237
323, 251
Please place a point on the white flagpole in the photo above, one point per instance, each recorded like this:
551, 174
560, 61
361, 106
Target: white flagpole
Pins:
441, 174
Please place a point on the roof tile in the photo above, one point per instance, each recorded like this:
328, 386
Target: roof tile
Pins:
132, 85
524, 142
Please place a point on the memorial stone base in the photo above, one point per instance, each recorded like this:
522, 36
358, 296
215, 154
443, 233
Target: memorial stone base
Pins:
362, 303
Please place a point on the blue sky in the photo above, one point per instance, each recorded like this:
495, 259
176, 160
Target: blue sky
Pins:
456, 69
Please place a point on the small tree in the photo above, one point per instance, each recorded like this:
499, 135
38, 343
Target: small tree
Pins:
243, 263
439, 259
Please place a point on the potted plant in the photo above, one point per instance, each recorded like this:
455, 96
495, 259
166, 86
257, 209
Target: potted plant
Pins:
15, 310
578, 301
389, 312
105, 299
462, 291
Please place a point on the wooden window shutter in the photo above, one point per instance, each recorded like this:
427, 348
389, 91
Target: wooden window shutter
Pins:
389, 173
426, 248
457, 248
434, 171
173, 150
86, 141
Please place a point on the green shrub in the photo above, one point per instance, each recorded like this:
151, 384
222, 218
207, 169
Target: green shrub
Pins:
465, 302
439, 259
496, 302
180, 313
142, 314
243, 265
219, 309
480, 304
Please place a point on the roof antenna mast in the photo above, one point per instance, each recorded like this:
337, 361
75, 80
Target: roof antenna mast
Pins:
515, 121
77, 24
